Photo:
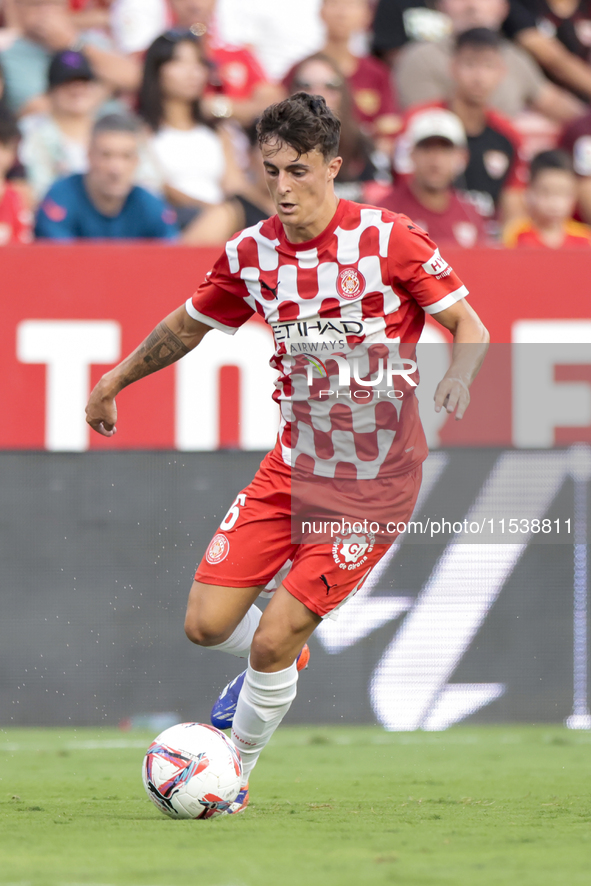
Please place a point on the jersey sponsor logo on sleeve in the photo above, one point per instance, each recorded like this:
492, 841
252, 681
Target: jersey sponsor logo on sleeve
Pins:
54, 211
437, 266
218, 550
350, 283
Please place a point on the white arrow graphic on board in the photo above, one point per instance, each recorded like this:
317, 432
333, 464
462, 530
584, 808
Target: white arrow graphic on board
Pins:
409, 688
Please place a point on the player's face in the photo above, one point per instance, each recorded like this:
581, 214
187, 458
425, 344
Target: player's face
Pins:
301, 187
189, 12
345, 17
466, 14
437, 163
552, 196
477, 73
112, 160
185, 75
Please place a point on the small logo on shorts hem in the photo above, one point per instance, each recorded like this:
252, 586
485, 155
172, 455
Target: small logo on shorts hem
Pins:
218, 550
352, 552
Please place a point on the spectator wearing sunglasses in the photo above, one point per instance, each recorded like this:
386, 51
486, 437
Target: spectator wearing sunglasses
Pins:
362, 164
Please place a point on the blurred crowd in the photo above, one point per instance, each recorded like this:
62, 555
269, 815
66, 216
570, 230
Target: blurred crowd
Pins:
137, 118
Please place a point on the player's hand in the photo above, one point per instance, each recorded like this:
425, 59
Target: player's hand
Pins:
101, 412
451, 394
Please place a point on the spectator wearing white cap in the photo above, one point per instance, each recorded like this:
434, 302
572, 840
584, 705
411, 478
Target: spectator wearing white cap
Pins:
438, 153
496, 173
55, 144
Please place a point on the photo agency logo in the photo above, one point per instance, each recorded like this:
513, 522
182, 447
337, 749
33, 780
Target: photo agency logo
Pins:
356, 366
360, 366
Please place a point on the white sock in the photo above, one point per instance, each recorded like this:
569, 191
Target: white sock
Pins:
238, 643
262, 704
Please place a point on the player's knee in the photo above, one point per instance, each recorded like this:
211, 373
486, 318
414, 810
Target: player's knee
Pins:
201, 633
267, 650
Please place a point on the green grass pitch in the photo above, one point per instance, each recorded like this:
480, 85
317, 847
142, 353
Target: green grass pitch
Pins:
473, 806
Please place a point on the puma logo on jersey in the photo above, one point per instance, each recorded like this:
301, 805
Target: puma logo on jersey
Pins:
270, 288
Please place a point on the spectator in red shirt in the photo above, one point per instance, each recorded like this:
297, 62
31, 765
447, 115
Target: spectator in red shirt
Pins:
576, 141
496, 173
238, 85
368, 79
550, 197
15, 218
438, 153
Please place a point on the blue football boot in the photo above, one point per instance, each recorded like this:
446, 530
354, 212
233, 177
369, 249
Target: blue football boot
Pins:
222, 713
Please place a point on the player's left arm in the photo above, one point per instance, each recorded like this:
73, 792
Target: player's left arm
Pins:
470, 344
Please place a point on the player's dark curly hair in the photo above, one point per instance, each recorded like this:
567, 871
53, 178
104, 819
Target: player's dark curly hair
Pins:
303, 122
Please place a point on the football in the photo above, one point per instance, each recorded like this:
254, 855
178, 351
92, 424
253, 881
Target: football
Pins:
192, 771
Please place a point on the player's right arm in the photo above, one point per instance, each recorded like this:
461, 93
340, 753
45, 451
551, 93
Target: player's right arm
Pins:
174, 337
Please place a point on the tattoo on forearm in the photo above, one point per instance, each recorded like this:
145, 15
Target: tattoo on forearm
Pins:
161, 348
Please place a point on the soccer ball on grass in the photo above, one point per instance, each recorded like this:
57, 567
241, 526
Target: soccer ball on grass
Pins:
192, 771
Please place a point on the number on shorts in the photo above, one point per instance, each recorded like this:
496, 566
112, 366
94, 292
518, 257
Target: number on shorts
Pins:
231, 517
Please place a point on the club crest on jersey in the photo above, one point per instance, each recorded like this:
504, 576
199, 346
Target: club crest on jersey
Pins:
352, 552
350, 283
218, 550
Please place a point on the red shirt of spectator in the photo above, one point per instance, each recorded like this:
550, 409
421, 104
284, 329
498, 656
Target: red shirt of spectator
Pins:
524, 233
237, 73
459, 224
374, 104
373, 96
15, 218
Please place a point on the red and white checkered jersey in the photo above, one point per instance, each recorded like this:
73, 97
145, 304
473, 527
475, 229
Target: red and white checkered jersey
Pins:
370, 276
